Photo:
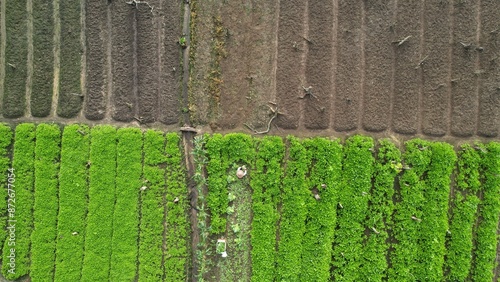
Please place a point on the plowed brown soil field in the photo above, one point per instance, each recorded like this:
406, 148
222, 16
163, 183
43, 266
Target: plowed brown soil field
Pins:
400, 68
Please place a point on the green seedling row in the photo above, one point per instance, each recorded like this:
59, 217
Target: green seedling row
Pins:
43, 238
101, 195
378, 223
176, 221
266, 183
463, 215
409, 211
20, 213
434, 224
126, 211
152, 208
6, 139
16, 54
293, 211
489, 210
323, 183
357, 171
73, 192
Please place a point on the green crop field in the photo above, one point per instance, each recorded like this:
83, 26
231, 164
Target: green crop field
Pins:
118, 204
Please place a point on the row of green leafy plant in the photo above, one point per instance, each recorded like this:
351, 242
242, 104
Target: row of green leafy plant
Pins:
43, 237
101, 198
73, 192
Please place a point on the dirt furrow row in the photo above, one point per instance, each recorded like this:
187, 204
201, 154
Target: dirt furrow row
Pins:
147, 61
488, 69
96, 33
70, 88
405, 109
123, 93
291, 48
379, 56
43, 59
349, 66
319, 65
435, 70
169, 73
463, 63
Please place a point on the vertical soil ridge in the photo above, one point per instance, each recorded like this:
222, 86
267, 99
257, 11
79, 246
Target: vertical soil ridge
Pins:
57, 60
362, 63
29, 60
109, 62
96, 58
83, 58
477, 65
333, 74
390, 123
449, 84
421, 66
186, 63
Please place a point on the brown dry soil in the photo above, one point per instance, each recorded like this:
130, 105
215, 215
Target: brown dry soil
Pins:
392, 68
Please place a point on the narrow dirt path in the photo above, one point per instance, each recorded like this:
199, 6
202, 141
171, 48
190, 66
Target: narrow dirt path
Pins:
3, 39
57, 59
29, 69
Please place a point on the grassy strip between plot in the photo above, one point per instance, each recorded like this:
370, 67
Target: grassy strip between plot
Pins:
293, 212
16, 54
43, 58
381, 208
408, 211
72, 202
70, 92
489, 209
202, 251
152, 208
20, 215
126, 212
43, 238
5, 180
266, 183
353, 208
238, 151
434, 220
99, 229
464, 209
177, 223
321, 202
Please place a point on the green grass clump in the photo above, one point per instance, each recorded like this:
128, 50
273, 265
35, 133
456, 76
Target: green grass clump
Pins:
126, 211
99, 228
21, 209
73, 189
43, 238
